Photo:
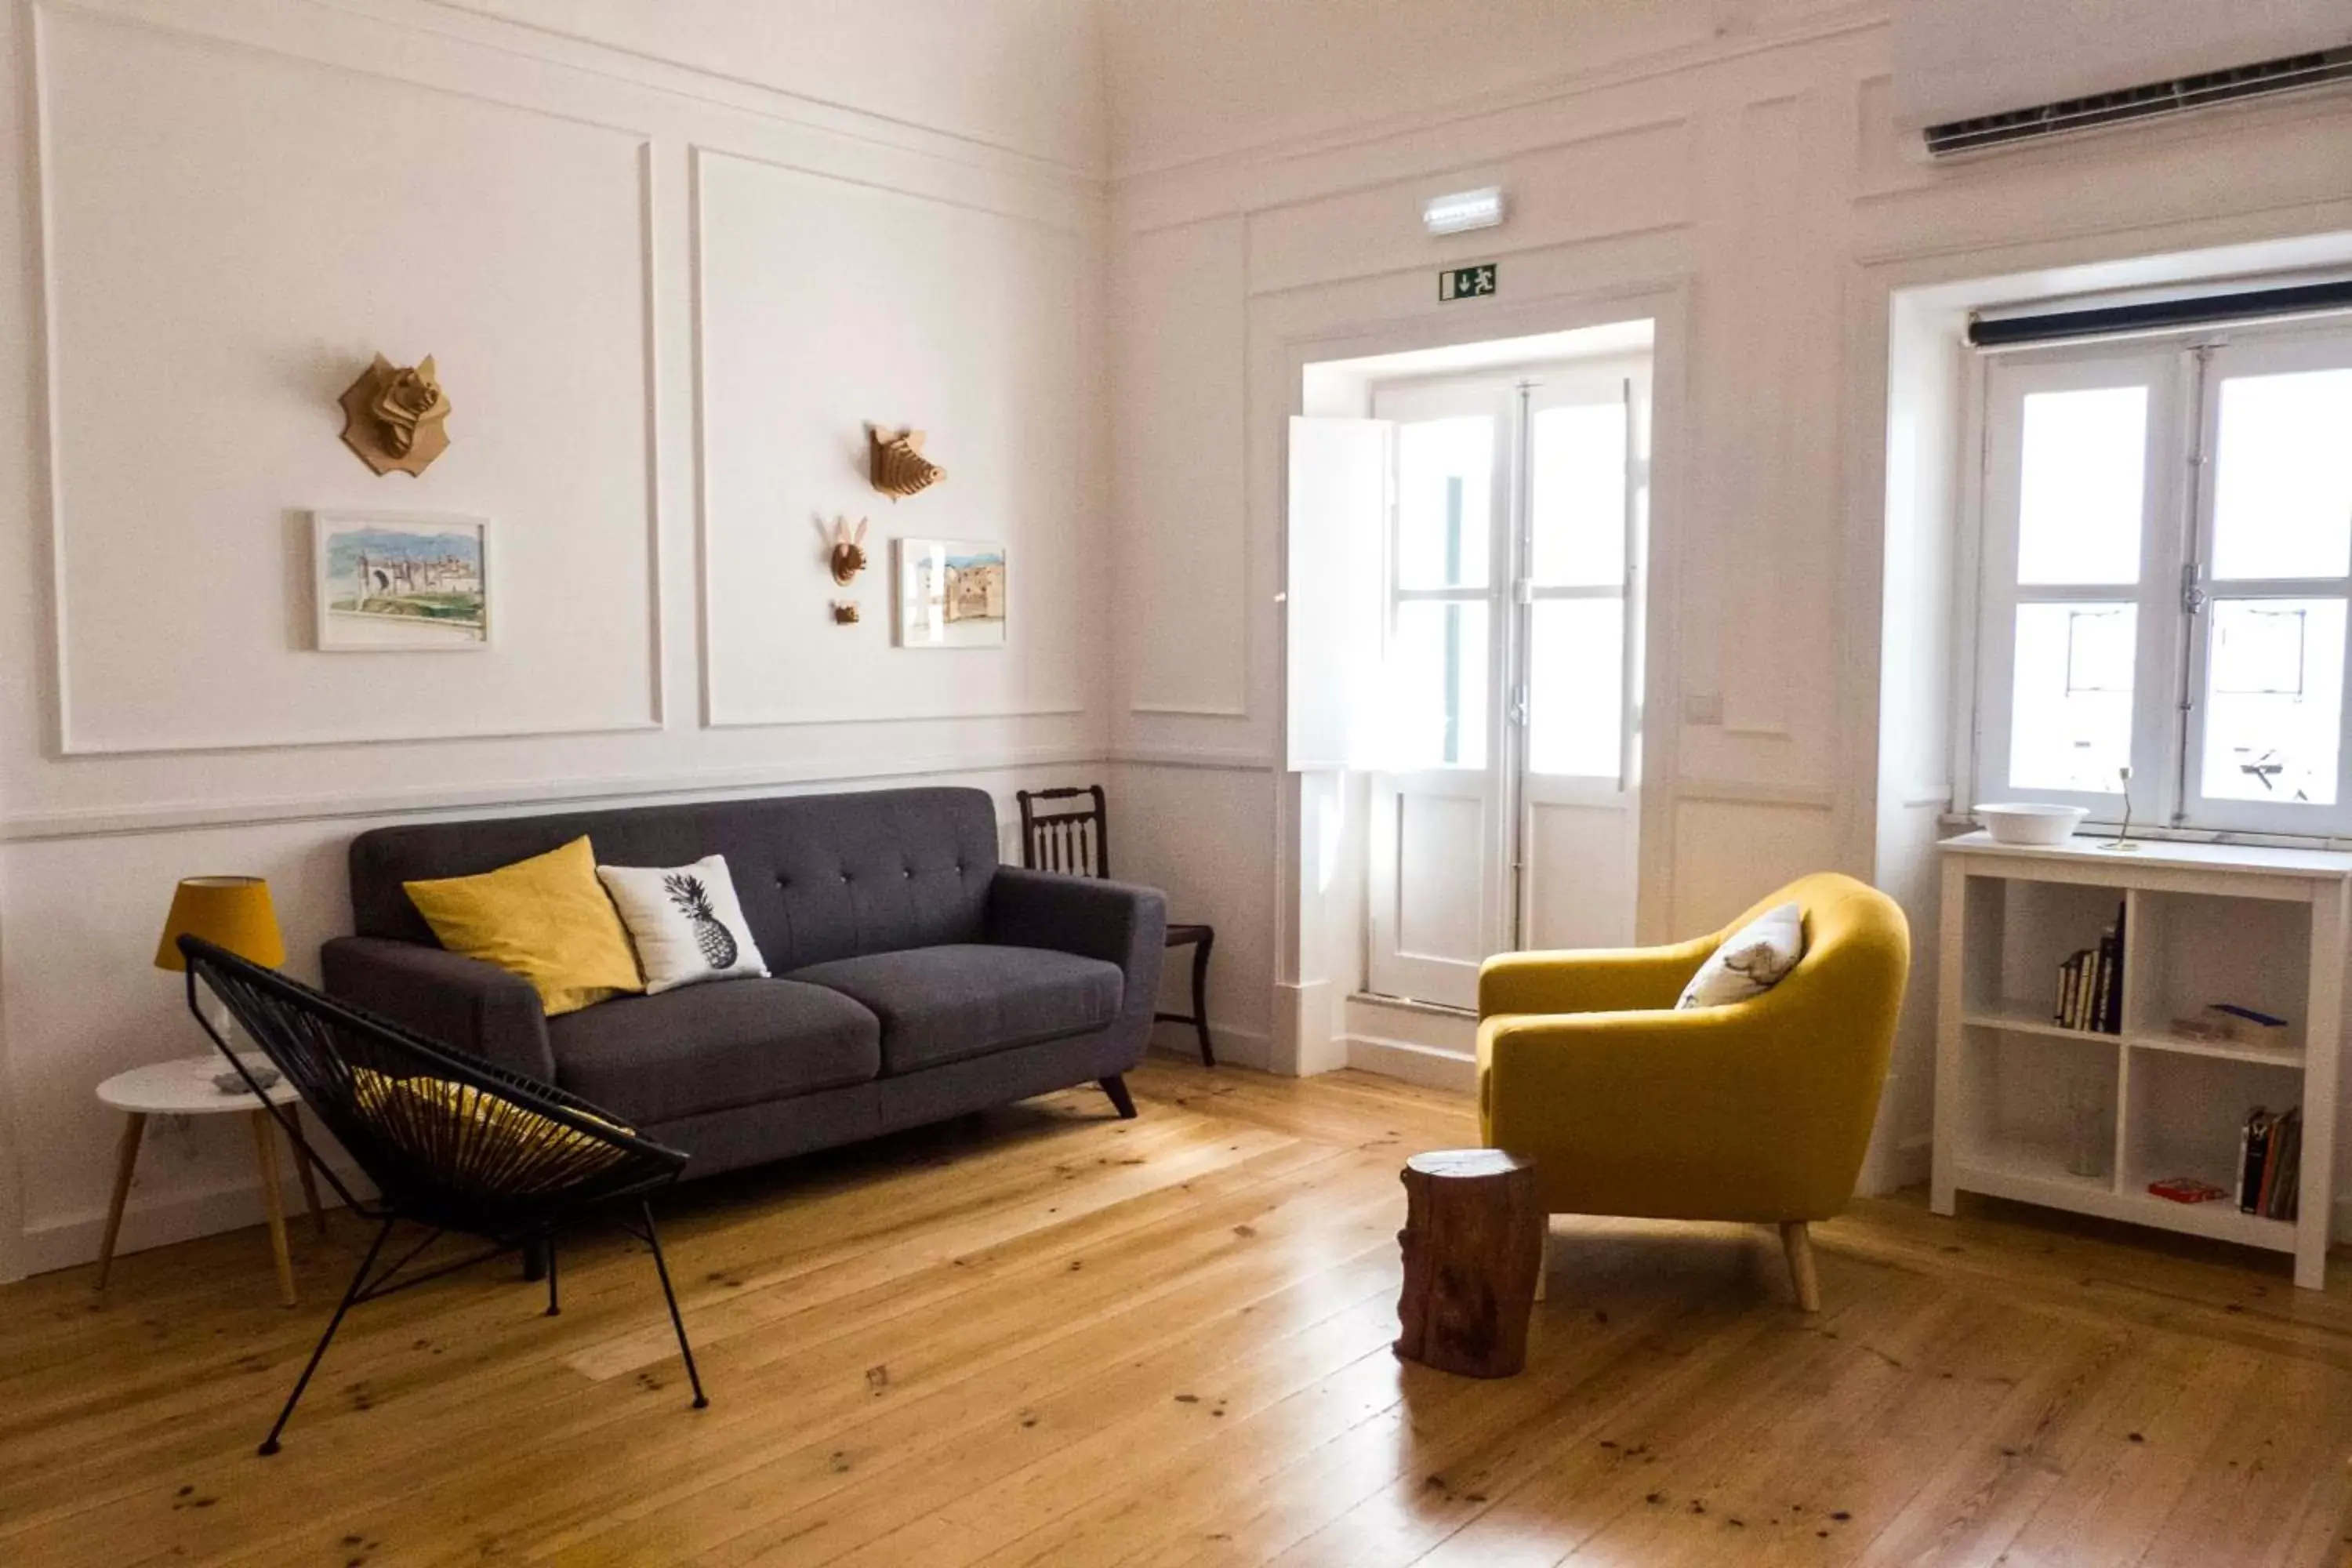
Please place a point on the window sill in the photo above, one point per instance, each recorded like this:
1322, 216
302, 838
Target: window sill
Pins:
1966, 822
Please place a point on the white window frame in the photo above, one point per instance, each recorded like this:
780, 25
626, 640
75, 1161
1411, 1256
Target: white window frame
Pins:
2183, 373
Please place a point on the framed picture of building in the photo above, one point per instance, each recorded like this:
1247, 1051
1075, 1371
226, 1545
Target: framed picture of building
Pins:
401, 581
952, 593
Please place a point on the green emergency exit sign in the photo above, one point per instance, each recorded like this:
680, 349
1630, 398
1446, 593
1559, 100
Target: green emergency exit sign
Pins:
1466, 282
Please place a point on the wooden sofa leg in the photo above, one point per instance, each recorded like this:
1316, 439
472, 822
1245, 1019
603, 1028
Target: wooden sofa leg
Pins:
1123, 1102
1797, 1241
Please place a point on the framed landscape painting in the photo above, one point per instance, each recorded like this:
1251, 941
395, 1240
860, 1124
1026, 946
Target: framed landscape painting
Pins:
401, 581
950, 593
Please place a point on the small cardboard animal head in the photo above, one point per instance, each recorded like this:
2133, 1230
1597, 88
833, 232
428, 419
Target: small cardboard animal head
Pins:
848, 558
896, 464
393, 416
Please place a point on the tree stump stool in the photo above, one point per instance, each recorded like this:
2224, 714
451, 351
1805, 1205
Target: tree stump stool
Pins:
1473, 1247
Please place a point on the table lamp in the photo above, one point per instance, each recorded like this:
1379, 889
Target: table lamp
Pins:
234, 912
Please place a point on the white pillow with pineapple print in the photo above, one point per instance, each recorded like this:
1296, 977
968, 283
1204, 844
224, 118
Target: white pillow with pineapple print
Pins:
684, 922
1750, 961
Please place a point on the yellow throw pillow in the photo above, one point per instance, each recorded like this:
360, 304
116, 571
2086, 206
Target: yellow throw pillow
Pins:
546, 919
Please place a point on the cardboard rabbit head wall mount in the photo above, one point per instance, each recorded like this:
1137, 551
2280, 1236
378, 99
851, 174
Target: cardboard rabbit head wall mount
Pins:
847, 557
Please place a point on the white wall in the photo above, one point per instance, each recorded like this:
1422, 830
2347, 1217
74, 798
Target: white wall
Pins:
670, 258
1736, 160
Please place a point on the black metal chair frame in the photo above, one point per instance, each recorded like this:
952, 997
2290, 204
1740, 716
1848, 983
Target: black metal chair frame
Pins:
577, 1173
1076, 843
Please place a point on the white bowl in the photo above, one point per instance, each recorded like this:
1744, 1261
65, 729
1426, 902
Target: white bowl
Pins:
2023, 821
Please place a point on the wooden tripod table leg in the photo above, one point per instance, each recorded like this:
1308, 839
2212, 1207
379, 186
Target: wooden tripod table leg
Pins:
126, 1160
265, 1145
310, 1183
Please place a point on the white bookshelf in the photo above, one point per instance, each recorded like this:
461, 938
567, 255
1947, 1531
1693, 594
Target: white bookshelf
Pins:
2021, 1100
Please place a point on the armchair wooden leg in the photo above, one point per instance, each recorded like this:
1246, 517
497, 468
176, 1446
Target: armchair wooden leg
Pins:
1797, 1241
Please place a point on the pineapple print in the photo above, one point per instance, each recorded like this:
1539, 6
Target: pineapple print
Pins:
716, 942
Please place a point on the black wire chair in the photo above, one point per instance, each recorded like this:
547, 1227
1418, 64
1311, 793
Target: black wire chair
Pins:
451, 1142
1075, 842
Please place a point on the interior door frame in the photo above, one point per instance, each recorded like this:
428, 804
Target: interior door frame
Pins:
1294, 329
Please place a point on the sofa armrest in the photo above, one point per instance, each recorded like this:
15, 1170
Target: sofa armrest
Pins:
1114, 922
459, 1002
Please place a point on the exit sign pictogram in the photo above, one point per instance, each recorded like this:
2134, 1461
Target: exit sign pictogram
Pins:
1466, 282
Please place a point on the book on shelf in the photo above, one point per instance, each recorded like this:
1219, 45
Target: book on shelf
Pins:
2091, 984
2110, 1020
2269, 1160
2073, 988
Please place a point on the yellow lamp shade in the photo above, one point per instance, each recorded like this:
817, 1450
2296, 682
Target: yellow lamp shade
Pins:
234, 912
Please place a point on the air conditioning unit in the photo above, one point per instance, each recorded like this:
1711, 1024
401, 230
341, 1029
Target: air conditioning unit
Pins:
1975, 75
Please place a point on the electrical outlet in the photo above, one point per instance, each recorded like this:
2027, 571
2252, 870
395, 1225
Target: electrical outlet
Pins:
1702, 707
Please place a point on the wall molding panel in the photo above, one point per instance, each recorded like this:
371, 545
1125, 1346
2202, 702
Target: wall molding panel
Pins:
573, 793
276, 454
779, 458
1186, 633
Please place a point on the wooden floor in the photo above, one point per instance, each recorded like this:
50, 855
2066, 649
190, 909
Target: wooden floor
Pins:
1047, 1337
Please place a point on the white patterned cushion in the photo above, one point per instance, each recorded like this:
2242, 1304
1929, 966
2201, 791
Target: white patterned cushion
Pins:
1751, 961
684, 922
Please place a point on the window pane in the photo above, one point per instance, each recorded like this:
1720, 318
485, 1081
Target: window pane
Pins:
2079, 490
2275, 696
2282, 494
2070, 726
1576, 670
1438, 678
1578, 500
1445, 478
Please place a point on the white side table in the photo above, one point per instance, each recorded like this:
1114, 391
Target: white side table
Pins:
185, 1089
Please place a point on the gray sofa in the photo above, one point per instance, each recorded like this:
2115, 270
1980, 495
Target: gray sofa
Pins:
916, 979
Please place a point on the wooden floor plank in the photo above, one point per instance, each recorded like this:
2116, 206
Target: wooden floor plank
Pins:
1047, 1339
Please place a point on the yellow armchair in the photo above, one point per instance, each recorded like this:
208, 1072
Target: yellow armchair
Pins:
1760, 1111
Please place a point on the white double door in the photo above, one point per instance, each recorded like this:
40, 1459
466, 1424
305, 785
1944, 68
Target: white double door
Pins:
1504, 812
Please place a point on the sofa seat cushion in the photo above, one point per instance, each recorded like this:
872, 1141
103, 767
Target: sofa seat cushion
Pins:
712, 1047
945, 1003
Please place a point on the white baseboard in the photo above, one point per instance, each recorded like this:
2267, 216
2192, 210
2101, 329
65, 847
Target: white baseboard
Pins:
1907, 1165
183, 1216
1307, 1038
1235, 1048
1428, 1066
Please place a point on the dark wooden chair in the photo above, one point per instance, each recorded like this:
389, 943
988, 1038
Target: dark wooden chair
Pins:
452, 1144
1075, 841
